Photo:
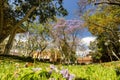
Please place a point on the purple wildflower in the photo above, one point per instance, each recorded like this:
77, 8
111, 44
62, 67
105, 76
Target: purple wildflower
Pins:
50, 72
52, 67
36, 69
65, 73
71, 77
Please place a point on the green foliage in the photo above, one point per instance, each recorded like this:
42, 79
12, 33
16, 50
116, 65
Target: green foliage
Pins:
94, 72
18, 11
96, 55
45, 9
117, 71
104, 24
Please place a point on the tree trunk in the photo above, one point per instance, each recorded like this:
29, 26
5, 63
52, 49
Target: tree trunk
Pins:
109, 53
1, 20
115, 55
3, 37
1, 16
10, 42
14, 30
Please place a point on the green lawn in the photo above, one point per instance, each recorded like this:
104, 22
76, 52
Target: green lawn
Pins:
12, 69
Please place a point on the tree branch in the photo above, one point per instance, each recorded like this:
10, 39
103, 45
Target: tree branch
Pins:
1, 20
110, 3
26, 17
1, 16
14, 30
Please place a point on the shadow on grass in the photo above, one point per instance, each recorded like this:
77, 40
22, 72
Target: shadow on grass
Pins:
80, 78
20, 58
24, 59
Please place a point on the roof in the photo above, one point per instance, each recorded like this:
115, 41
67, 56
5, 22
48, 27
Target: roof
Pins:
87, 59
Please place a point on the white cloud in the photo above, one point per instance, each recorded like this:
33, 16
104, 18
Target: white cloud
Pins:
87, 40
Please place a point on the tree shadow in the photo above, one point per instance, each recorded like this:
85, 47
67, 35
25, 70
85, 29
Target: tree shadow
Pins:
78, 78
20, 58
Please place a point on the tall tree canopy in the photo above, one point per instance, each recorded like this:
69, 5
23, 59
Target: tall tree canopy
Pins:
103, 20
93, 4
14, 12
65, 34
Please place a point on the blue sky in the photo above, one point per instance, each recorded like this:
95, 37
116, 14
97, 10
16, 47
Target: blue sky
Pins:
72, 8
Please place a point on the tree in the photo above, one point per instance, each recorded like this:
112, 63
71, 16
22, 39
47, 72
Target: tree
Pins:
92, 5
14, 13
98, 2
104, 22
65, 35
109, 2
35, 40
38, 38
94, 51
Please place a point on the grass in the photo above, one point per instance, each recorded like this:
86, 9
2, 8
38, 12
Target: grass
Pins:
14, 69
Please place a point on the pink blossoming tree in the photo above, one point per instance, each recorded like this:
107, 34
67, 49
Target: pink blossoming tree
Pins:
66, 35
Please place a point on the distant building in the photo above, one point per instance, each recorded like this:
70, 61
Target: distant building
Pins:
85, 60
47, 55
82, 53
84, 57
